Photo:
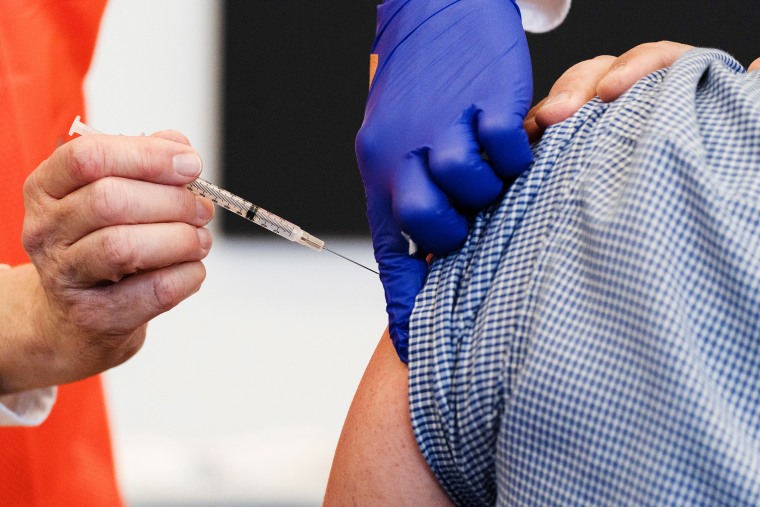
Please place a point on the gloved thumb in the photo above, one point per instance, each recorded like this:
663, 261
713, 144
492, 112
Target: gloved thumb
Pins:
402, 276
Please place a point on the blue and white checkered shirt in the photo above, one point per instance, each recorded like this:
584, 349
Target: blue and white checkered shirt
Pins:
597, 339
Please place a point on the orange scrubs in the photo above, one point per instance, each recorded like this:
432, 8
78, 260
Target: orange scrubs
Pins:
45, 51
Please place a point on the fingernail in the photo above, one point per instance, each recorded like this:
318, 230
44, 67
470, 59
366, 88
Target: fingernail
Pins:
560, 97
203, 210
205, 238
187, 164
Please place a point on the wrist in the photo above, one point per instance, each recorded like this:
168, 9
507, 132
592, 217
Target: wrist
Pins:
25, 360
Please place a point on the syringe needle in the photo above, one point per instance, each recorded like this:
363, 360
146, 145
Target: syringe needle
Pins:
350, 260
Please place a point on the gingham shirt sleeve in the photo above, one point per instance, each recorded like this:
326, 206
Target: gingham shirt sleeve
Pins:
596, 341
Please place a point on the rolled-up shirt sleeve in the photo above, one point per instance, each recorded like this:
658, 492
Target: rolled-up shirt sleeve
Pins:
543, 15
597, 336
28, 408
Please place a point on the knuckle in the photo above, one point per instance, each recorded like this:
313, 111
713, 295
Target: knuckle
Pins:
120, 251
34, 231
660, 54
185, 203
647, 46
450, 159
85, 159
107, 202
584, 71
579, 69
104, 350
364, 144
413, 215
33, 236
647, 49
109, 351
576, 71
602, 58
497, 125
31, 187
166, 293
44, 249
128, 347
376, 142
453, 168
172, 135
188, 242
147, 159
84, 313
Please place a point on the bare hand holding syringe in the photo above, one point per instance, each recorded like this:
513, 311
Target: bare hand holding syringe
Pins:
241, 207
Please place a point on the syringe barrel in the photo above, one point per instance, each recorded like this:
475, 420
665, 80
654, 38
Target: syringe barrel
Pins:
279, 225
255, 214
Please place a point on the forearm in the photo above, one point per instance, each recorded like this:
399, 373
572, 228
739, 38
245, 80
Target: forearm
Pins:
26, 361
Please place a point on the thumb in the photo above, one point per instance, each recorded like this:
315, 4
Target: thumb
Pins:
423, 210
402, 276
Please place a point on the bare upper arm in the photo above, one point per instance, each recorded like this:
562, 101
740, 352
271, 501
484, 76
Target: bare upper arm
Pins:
377, 461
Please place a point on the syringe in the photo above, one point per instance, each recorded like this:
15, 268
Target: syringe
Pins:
240, 206
255, 214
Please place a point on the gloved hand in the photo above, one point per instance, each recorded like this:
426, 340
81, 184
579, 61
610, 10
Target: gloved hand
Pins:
442, 132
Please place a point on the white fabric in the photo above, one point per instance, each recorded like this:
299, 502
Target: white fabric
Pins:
28, 408
543, 15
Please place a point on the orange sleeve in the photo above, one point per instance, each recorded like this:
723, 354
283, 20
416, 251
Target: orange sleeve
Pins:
45, 51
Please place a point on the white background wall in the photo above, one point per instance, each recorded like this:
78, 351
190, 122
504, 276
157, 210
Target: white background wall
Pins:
239, 394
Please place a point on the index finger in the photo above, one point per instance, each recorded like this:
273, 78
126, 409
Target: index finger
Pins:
89, 158
636, 63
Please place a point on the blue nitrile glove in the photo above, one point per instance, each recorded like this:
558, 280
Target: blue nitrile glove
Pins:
442, 132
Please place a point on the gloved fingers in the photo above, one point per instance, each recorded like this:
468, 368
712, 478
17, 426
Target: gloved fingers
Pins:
505, 142
458, 168
423, 210
637, 63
